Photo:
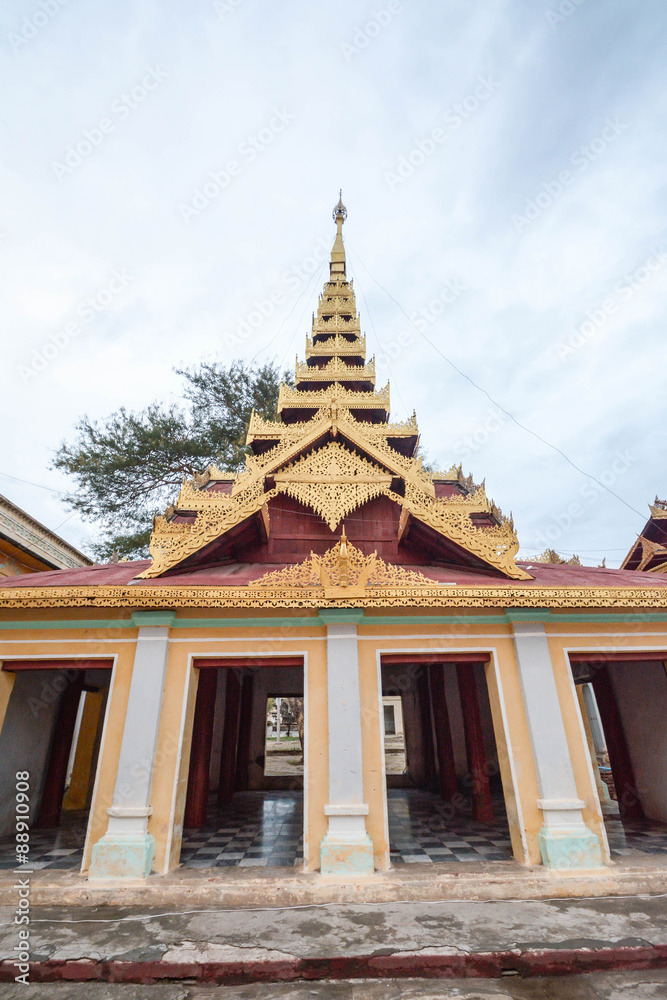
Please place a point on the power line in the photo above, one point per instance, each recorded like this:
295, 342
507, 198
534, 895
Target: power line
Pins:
273, 338
5, 475
507, 413
297, 325
384, 353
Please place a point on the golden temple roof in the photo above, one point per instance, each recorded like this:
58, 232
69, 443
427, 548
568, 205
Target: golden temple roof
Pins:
333, 450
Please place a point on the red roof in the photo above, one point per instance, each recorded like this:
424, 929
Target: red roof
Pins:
239, 574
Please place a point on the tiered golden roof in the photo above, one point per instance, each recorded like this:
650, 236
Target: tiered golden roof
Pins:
333, 450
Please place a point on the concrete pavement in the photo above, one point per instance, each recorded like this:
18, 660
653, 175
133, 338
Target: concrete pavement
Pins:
465, 938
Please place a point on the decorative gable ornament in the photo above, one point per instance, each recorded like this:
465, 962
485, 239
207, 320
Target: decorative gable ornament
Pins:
333, 482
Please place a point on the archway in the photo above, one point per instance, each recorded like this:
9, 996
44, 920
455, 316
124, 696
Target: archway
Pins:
238, 811
52, 733
448, 805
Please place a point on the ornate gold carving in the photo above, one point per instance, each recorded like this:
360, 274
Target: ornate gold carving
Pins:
156, 596
335, 370
343, 571
651, 550
333, 482
336, 345
172, 542
496, 545
289, 398
276, 430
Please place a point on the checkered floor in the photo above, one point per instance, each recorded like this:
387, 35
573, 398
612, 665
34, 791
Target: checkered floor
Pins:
257, 828
635, 835
60, 848
266, 828
422, 829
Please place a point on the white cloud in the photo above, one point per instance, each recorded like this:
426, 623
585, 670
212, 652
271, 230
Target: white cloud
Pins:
353, 119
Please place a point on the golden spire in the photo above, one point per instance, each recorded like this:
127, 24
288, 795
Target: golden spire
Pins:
337, 265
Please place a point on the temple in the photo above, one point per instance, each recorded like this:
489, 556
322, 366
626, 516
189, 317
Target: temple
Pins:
453, 702
649, 552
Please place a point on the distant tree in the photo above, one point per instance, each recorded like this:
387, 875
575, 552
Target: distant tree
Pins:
131, 464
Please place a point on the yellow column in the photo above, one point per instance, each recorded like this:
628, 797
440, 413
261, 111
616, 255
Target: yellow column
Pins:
6, 685
76, 796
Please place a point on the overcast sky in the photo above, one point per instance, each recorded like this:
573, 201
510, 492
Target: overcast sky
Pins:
169, 171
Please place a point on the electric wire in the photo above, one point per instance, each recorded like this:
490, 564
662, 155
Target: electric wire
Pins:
384, 353
40, 486
507, 413
273, 338
298, 325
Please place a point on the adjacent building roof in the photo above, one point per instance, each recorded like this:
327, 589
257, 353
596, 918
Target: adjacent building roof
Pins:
649, 552
26, 546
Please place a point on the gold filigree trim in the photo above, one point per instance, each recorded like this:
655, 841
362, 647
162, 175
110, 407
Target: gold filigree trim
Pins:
337, 394
497, 545
342, 571
333, 482
335, 370
232, 598
336, 345
172, 542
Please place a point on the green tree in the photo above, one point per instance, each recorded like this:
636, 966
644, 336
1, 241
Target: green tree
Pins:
131, 464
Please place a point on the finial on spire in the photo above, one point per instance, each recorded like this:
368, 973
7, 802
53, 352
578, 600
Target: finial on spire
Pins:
337, 265
340, 209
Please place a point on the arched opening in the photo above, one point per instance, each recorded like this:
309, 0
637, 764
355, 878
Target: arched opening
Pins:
52, 732
447, 803
244, 802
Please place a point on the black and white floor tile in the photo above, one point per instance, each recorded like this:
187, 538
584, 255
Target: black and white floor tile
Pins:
422, 830
625, 838
266, 829
256, 829
59, 848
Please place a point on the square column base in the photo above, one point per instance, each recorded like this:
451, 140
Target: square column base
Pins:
576, 847
347, 855
122, 856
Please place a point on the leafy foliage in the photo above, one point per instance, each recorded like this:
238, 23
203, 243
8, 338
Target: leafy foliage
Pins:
131, 464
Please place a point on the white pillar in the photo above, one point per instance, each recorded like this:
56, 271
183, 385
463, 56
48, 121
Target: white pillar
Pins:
127, 848
346, 848
594, 718
565, 840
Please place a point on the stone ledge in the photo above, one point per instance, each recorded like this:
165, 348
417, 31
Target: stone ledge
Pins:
284, 887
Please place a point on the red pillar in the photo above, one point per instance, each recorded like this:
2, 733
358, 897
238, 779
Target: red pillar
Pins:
245, 723
482, 806
230, 737
61, 745
196, 802
619, 757
443, 734
424, 701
